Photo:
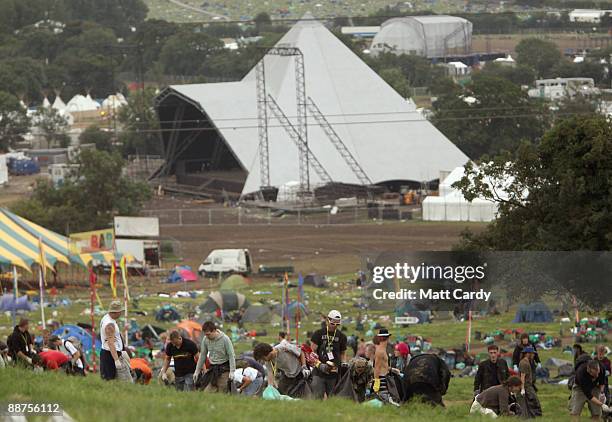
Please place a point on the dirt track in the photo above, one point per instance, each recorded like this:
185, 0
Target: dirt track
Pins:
332, 249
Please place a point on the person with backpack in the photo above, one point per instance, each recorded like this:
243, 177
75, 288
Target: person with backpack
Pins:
588, 387
498, 400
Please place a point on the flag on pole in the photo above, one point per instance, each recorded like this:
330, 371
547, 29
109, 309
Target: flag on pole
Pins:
286, 322
299, 301
469, 331
94, 295
123, 267
113, 279
42, 260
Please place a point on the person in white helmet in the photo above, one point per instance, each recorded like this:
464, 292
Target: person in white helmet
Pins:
329, 344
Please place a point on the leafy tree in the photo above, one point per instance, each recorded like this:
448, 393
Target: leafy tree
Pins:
14, 122
186, 52
151, 36
539, 54
586, 69
559, 191
100, 138
491, 115
417, 70
262, 22
22, 77
88, 60
140, 134
120, 15
89, 200
519, 75
53, 127
395, 78
558, 198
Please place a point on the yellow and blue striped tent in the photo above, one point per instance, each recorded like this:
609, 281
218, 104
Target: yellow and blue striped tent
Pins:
19, 245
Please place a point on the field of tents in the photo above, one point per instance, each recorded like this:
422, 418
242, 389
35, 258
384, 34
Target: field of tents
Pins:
161, 306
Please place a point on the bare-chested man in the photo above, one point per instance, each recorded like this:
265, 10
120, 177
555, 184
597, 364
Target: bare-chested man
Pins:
381, 363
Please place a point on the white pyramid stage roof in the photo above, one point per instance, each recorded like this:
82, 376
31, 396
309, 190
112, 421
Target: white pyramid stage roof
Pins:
384, 132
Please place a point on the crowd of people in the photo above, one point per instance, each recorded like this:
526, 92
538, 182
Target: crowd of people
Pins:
381, 370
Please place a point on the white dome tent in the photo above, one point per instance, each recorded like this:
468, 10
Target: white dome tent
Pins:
114, 102
427, 36
80, 103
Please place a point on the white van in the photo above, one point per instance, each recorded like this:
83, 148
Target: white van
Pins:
226, 261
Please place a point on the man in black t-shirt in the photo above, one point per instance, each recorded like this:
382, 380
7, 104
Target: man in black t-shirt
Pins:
329, 344
185, 353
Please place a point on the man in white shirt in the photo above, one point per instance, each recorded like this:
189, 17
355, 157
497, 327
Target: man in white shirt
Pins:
247, 381
114, 361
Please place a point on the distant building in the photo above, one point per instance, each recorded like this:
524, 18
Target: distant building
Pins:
587, 15
555, 89
62, 173
360, 31
427, 36
457, 70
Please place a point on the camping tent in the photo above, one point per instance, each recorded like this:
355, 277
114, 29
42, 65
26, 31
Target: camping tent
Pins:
258, 314
167, 313
84, 337
181, 273
8, 303
292, 310
534, 312
190, 329
316, 280
59, 104
226, 301
233, 282
565, 368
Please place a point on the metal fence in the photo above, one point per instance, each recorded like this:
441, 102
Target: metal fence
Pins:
256, 216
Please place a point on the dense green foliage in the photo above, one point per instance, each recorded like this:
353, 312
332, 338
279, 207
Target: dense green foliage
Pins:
560, 191
95, 193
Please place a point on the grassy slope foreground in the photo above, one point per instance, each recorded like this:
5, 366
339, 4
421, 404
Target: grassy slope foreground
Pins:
92, 399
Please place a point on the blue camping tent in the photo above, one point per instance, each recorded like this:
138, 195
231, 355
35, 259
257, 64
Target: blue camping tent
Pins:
84, 337
534, 312
8, 303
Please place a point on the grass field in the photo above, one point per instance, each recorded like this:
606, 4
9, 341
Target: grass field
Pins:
95, 400
290, 9
92, 399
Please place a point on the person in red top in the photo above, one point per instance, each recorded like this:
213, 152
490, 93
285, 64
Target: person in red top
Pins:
53, 359
142, 370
